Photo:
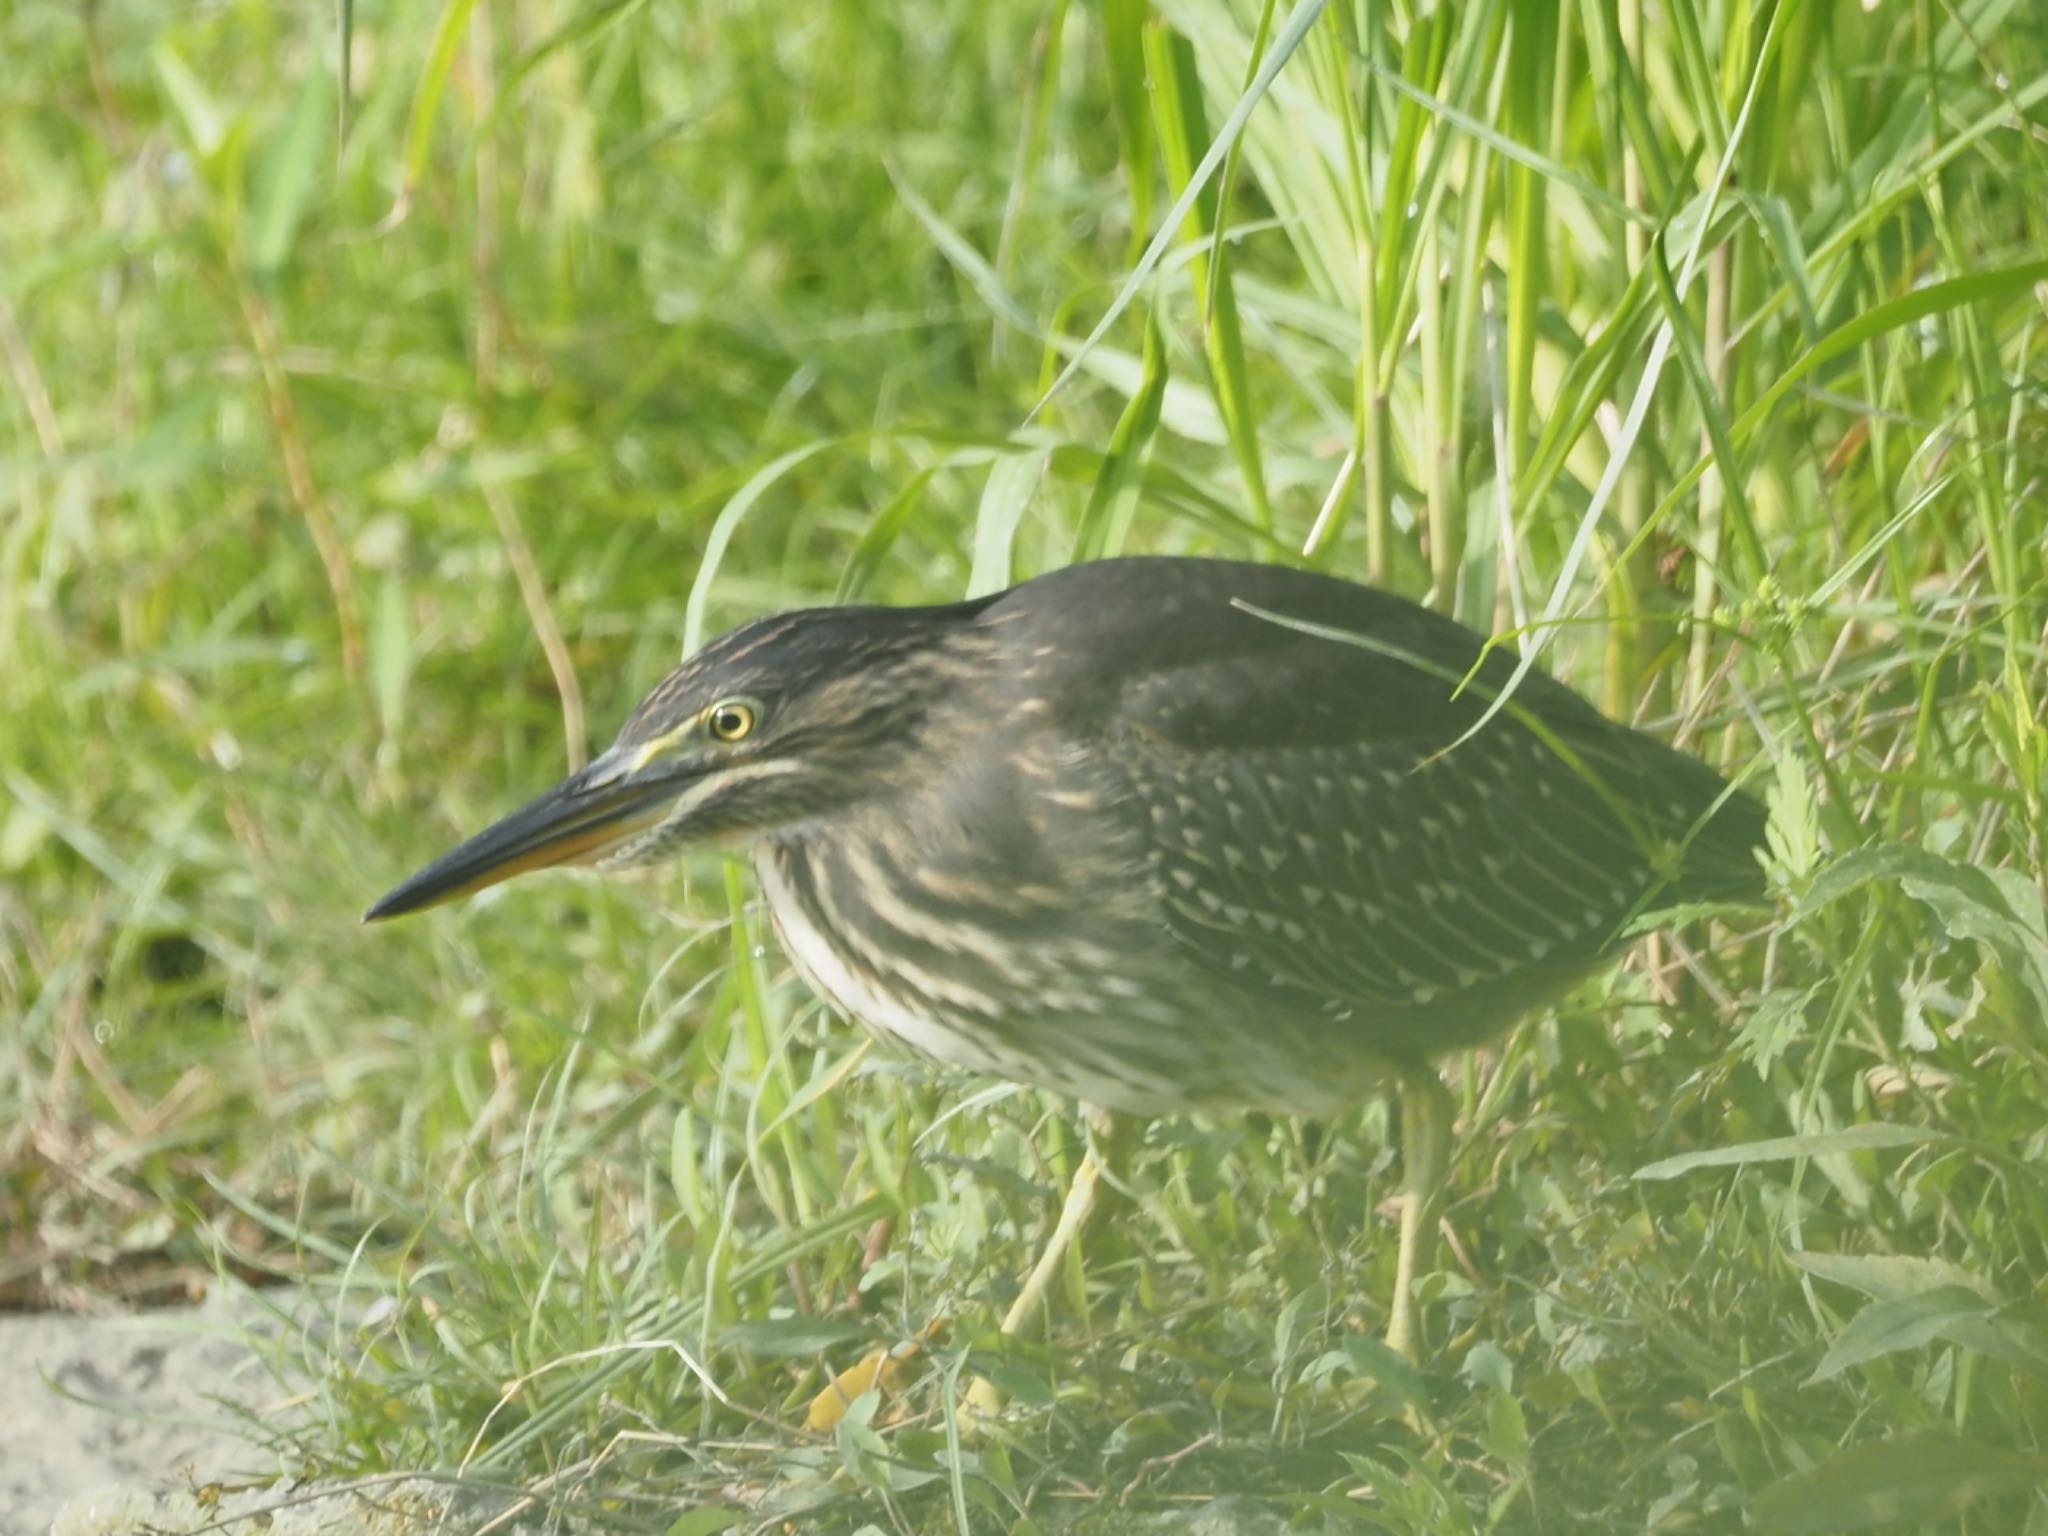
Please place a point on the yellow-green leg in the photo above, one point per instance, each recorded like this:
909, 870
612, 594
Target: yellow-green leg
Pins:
1425, 1158
1102, 1161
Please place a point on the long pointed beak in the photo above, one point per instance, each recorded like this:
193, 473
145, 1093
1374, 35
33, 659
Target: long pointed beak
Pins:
577, 821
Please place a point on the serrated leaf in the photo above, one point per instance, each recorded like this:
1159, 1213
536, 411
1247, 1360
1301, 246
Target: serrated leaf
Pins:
1973, 906
1793, 830
1970, 902
1856, 1138
1774, 1023
2014, 1334
1901, 1479
1884, 1276
1900, 1323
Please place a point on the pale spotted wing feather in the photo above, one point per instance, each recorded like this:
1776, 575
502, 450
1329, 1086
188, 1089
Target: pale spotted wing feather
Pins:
1431, 898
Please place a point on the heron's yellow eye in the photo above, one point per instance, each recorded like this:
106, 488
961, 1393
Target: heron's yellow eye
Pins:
732, 720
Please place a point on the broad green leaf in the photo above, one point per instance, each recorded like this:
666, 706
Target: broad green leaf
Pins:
391, 654
1907, 309
1183, 128
706, 1520
960, 251
1509, 149
1011, 484
1971, 905
1507, 1430
1781, 233
1693, 368
1185, 410
786, 1338
22, 832
1110, 500
2016, 1334
426, 101
206, 126
880, 536
1373, 1360
722, 529
1486, 1364
1299, 20
1123, 39
287, 174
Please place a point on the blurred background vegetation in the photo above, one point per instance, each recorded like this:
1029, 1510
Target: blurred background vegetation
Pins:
392, 388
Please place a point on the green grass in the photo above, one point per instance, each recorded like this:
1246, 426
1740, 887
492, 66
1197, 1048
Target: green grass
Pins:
351, 457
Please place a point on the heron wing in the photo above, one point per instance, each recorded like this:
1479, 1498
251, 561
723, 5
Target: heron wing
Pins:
1314, 832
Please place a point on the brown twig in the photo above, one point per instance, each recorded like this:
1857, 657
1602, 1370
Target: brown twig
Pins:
533, 591
28, 381
298, 473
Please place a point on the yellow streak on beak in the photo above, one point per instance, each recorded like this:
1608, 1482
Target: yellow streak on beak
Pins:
650, 750
565, 849
532, 838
